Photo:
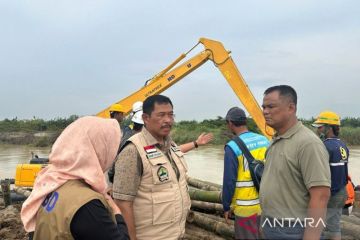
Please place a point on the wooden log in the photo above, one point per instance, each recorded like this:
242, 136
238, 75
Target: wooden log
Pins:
351, 219
207, 196
22, 191
193, 232
356, 214
218, 218
5, 188
357, 200
208, 186
209, 224
207, 206
351, 229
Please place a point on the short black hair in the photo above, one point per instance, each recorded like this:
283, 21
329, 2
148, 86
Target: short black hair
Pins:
238, 123
149, 103
285, 91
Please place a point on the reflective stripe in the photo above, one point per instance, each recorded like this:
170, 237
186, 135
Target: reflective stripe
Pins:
245, 184
337, 164
247, 202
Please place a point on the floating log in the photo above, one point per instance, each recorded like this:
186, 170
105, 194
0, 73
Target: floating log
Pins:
6, 193
206, 196
223, 229
207, 206
22, 191
208, 186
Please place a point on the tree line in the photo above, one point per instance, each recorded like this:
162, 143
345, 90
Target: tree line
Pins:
183, 131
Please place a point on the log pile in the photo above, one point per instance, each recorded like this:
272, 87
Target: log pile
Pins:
206, 215
205, 220
207, 212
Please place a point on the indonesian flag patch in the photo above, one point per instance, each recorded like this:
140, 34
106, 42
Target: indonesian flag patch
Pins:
150, 149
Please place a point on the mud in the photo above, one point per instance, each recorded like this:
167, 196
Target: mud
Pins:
10, 224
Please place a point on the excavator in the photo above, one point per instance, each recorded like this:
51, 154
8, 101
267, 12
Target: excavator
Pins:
215, 52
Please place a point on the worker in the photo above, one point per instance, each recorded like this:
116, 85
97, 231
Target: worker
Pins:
150, 185
69, 199
239, 192
327, 126
117, 112
138, 123
295, 186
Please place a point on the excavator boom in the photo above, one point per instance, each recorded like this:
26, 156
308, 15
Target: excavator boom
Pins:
215, 52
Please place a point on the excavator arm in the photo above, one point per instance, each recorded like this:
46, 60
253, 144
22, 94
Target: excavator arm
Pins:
215, 52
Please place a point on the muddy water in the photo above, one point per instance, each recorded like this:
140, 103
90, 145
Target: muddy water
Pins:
11, 155
205, 163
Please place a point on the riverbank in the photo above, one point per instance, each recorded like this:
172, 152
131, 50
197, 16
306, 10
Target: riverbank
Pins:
41, 133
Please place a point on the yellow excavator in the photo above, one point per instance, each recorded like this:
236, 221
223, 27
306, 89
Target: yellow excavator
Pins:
215, 52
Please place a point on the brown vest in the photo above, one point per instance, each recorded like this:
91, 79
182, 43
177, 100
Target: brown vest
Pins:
162, 201
54, 216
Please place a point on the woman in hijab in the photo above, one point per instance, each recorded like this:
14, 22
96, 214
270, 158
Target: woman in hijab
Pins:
69, 199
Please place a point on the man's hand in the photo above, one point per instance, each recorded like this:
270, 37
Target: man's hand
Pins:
204, 138
227, 215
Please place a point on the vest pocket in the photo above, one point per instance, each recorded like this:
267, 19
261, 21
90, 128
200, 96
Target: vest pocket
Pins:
163, 207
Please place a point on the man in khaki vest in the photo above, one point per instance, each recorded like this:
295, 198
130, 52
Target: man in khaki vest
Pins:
150, 177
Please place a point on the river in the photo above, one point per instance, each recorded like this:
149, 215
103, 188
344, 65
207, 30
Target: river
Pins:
204, 163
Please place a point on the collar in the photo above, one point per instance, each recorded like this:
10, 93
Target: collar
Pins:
151, 140
290, 132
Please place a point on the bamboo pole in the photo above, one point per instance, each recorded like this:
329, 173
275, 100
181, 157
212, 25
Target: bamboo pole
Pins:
356, 213
204, 185
351, 229
22, 191
217, 218
194, 232
351, 219
207, 196
357, 200
208, 206
209, 224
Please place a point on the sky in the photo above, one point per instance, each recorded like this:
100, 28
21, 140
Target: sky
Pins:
59, 58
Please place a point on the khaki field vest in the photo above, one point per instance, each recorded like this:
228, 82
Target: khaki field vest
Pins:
162, 201
56, 212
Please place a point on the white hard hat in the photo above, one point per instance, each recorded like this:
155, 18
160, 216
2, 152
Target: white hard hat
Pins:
137, 106
137, 113
137, 117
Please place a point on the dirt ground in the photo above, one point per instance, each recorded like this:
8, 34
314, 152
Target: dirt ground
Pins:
10, 224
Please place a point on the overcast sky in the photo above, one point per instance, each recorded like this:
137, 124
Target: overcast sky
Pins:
59, 58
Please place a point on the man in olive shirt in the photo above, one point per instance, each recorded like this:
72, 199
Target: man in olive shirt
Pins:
295, 186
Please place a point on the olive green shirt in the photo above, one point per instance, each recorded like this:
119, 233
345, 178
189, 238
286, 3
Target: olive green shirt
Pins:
295, 162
